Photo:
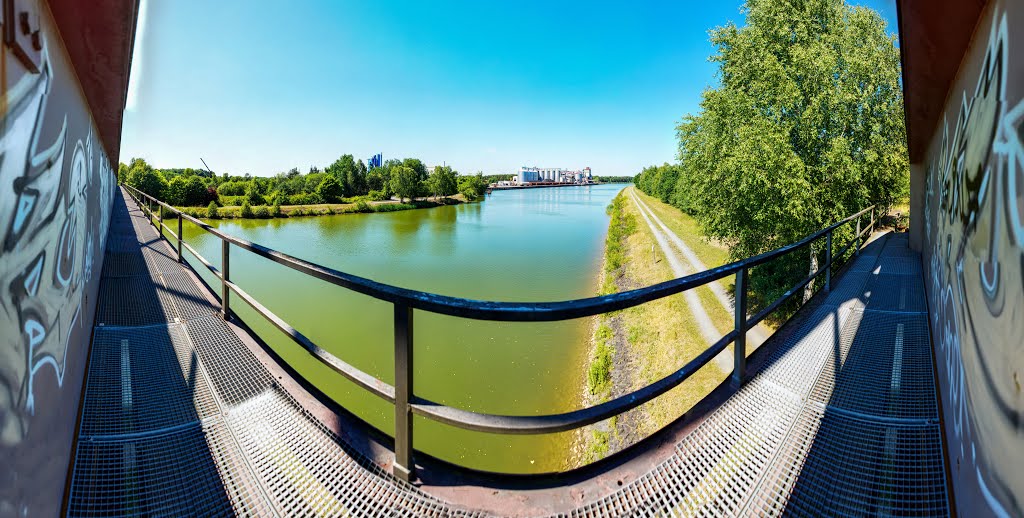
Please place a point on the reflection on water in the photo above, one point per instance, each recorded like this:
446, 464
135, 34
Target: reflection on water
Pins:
526, 245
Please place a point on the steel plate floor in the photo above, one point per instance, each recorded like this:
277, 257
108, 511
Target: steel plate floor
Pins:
180, 418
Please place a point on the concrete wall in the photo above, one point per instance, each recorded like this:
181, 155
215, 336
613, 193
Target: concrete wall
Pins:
56, 192
973, 253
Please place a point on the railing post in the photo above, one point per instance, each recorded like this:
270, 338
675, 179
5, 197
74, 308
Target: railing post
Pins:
160, 219
872, 227
225, 292
179, 237
856, 251
740, 344
403, 468
828, 261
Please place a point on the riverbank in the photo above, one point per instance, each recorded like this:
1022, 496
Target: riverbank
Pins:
320, 209
637, 346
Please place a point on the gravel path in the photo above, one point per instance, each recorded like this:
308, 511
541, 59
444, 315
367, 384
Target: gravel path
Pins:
708, 330
756, 335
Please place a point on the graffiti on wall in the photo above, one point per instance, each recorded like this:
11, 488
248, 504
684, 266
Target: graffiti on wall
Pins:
973, 219
56, 190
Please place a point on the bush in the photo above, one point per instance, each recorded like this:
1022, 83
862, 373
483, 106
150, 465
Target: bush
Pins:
362, 206
246, 211
211, 210
377, 196
232, 188
303, 199
275, 211
261, 212
329, 189
599, 374
231, 201
393, 207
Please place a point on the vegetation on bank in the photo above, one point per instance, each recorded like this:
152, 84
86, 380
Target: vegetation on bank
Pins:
613, 179
638, 346
805, 128
342, 187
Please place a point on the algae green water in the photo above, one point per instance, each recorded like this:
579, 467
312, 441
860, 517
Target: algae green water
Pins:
524, 245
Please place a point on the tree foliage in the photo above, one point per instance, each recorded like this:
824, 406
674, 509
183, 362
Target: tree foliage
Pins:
405, 182
472, 186
443, 181
144, 178
329, 190
805, 128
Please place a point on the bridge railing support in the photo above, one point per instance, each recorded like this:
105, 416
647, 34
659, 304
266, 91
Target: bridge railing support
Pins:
856, 251
739, 367
179, 237
828, 262
225, 292
403, 468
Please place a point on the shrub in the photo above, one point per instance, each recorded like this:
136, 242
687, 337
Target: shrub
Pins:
362, 206
275, 211
261, 212
302, 199
393, 207
599, 374
329, 189
377, 196
246, 211
211, 210
231, 201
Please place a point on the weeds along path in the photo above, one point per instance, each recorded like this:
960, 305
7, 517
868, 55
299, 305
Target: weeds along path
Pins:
700, 315
756, 335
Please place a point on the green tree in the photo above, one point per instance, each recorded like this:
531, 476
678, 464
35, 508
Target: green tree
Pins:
343, 170
357, 179
144, 178
329, 189
195, 193
472, 186
211, 210
246, 210
806, 127
443, 181
252, 193
405, 182
174, 194
418, 167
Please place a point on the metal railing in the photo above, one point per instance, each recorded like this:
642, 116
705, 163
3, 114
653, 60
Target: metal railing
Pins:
405, 301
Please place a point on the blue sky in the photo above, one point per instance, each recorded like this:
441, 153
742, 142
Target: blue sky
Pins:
485, 86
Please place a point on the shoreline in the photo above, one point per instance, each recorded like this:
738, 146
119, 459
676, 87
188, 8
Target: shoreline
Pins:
324, 209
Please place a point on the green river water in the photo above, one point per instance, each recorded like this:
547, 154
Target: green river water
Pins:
522, 245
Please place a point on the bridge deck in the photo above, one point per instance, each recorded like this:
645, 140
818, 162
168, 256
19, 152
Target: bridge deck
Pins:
182, 415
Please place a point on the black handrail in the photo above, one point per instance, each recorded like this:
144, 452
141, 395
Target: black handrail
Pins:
406, 300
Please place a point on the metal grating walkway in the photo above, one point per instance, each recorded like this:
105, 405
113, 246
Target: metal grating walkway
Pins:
180, 418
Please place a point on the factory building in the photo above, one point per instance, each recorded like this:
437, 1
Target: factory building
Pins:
552, 175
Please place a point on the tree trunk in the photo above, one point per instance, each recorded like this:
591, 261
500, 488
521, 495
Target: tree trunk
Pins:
809, 289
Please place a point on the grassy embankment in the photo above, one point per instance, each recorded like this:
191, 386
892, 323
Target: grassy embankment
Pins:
321, 209
637, 346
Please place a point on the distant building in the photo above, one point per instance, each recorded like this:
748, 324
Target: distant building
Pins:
553, 175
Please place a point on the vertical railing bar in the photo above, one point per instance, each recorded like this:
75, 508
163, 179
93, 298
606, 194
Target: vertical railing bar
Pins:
828, 262
179, 237
225, 293
860, 240
740, 344
404, 468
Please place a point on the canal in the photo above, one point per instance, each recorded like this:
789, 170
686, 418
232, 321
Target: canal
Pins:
524, 245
